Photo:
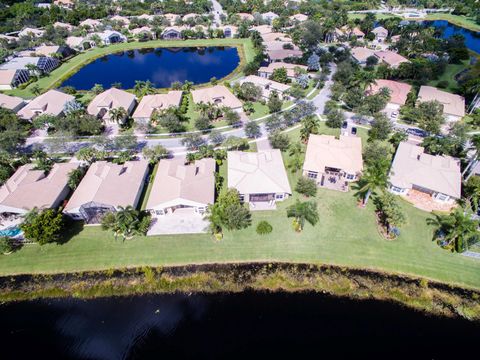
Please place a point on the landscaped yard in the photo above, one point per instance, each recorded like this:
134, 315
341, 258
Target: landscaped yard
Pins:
345, 235
57, 76
449, 76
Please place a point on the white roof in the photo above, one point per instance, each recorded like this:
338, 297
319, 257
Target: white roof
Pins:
324, 151
149, 103
218, 94
257, 172
28, 188
180, 183
411, 166
110, 99
52, 103
19, 63
452, 104
110, 184
10, 102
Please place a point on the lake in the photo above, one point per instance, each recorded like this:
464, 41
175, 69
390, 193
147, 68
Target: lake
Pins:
162, 66
225, 326
472, 38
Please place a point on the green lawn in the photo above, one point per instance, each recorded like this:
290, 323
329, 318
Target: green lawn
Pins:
449, 75
463, 21
57, 76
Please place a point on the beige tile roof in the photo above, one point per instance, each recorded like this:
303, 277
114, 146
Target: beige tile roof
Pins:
257, 172
380, 31
51, 103
275, 36
176, 183
411, 166
299, 17
74, 41
63, 25
90, 22
31, 31
28, 188
245, 16
398, 90
266, 84
277, 65
452, 104
344, 153
218, 94
149, 103
46, 50
263, 29
275, 45
391, 58
110, 99
10, 102
362, 53
110, 184
143, 29
122, 19
7, 76
282, 54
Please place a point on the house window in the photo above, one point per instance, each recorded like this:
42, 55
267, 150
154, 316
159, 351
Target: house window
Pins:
279, 196
312, 175
396, 189
442, 197
350, 177
242, 198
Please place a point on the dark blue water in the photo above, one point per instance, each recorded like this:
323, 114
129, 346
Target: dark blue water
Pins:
472, 38
161, 66
247, 325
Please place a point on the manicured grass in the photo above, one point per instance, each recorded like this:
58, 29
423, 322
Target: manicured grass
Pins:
449, 75
378, 16
56, 77
463, 21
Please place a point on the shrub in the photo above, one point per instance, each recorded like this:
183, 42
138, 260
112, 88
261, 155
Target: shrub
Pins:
264, 228
443, 84
306, 187
6, 245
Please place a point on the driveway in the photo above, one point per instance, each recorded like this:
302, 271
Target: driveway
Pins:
182, 221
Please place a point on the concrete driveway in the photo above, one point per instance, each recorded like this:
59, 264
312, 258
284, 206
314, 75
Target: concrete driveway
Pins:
182, 221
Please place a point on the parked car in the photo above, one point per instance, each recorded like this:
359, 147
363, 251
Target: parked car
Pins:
417, 132
344, 125
354, 130
394, 115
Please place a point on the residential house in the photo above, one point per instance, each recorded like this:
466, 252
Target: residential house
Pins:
90, 24
420, 176
267, 86
120, 19
245, 16
188, 17
182, 186
380, 33
172, 33
390, 58
398, 92
80, 43
171, 18
51, 103
157, 102
46, 50
333, 163
8, 38
44, 64
62, 25
229, 31
280, 55
453, 105
109, 37
361, 54
276, 36
106, 187
144, 32
13, 103
269, 17
28, 188
259, 177
262, 29
145, 17
113, 98
267, 71
298, 18
66, 4
218, 95
31, 32
11, 78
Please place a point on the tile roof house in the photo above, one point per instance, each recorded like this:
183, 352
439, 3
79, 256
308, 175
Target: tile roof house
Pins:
110, 99
266, 85
66, 26
299, 17
218, 95
28, 188
259, 177
361, 54
391, 58
333, 163
380, 33
453, 105
52, 103
398, 92
172, 33
44, 64
267, 71
262, 29
79, 42
32, 32
279, 55
145, 31
157, 102
177, 185
109, 37
66, 4
435, 175
91, 24
105, 187
245, 16
269, 16
121, 19
11, 78
13, 103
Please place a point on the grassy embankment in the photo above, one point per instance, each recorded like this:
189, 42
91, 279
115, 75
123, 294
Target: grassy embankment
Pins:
56, 77
346, 235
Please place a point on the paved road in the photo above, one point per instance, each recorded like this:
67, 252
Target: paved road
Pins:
217, 11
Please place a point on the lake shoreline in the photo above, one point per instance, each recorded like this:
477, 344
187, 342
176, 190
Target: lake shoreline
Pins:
417, 293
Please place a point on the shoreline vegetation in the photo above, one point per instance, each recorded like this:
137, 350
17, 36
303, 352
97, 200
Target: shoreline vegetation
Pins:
245, 50
417, 293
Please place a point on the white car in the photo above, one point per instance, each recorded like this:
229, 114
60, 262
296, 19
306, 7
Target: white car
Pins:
394, 115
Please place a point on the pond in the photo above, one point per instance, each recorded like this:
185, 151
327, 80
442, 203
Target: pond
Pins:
446, 29
162, 66
225, 326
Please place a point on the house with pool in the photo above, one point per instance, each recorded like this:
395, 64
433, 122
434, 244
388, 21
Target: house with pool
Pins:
109, 37
155, 103
180, 195
430, 182
28, 188
105, 187
102, 104
173, 33
11, 78
259, 177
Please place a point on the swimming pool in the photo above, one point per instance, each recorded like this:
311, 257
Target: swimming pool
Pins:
11, 231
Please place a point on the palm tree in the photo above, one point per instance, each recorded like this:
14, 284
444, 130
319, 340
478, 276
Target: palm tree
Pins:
36, 89
363, 79
309, 126
202, 108
127, 220
455, 230
375, 177
118, 114
303, 211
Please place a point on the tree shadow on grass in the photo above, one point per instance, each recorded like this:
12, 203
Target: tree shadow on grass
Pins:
71, 229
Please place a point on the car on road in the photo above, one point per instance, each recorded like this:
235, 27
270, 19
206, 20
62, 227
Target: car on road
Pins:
417, 132
354, 130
